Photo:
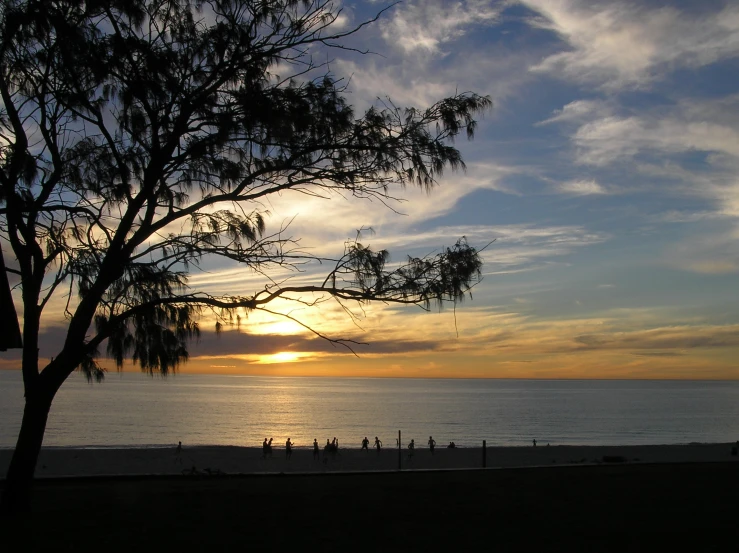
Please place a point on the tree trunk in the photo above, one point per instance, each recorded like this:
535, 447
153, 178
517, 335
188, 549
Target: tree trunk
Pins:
17, 492
10, 330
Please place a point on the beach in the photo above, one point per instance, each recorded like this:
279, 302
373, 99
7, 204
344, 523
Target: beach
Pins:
63, 462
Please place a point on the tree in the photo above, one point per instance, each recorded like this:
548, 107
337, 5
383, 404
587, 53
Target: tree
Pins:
139, 137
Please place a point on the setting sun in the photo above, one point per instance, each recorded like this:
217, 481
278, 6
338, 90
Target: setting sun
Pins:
281, 357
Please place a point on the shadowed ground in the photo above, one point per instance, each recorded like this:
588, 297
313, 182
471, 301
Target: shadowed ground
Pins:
244, 460
665, 507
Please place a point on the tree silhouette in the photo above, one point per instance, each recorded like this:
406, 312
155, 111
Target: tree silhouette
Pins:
139, 137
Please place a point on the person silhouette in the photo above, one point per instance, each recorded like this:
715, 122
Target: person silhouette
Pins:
288, 449
179, 448
534, 440
365, 444
378, 444
265, 448
411, 448
432, 443
315, 449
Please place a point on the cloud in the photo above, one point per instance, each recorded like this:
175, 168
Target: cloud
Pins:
516, 247
620, 44
712, 266
679, 337
691, 148
416, 69
428, 25
658, 354
609, 139
716, 183
728, 197
581, 188
240, 346
711, 253
395, 221
492, 70
404, 85
576, 111
690, 125
519, 247
687, 149
684, 216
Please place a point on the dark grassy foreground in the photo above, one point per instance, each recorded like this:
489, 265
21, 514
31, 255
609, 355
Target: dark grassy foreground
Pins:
692, 507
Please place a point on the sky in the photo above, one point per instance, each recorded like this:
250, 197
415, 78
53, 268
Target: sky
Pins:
607, 172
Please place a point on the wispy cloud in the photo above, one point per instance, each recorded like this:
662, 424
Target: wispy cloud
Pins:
685, 216
581, 188
428, 25
577, 111
620, 44
609, 139
712, 254
686, 337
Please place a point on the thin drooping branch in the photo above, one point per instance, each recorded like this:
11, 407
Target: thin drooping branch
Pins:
164, 133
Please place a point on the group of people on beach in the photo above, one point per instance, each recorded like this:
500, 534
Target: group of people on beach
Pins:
267, 448
377, 445
431, 443
332, 447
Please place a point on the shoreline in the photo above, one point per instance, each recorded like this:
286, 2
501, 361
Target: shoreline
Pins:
309, 448
151, 461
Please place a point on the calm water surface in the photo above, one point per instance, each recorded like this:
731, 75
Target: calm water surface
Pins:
131, 409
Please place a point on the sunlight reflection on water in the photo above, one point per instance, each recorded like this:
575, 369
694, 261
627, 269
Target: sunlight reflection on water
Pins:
133, 409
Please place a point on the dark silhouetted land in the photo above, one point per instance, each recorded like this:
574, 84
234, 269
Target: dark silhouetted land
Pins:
55, 462
620, 507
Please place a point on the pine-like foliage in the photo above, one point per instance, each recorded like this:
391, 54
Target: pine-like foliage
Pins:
141, 136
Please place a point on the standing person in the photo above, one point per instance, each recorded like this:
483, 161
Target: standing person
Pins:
534, 440
432, 443
365, 444
315, 449
411, 449
378, 444
288, 449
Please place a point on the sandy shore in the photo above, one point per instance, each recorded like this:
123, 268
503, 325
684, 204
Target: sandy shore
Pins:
55, 462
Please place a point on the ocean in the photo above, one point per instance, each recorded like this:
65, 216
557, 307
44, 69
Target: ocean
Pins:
135, 410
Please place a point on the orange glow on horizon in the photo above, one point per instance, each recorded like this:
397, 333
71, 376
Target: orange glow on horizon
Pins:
281, 357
